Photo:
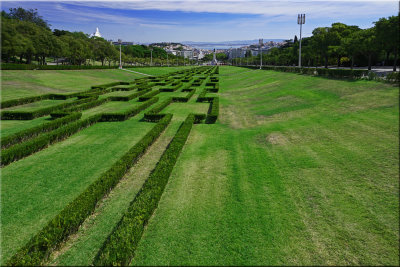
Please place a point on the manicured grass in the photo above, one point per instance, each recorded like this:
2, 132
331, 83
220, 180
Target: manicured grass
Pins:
298, 170
24, 83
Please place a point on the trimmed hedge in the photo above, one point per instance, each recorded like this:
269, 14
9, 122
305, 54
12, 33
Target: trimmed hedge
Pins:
85, 106
153, 114
213, 111
129, 113
14, 66
24, 149
121, 244
185, 98
103, 86
67, 222
24, 135
173, 87
24, 100
30, 115
148, 95
128, 97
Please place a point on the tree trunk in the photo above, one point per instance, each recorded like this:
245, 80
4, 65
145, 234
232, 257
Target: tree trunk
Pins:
338, 61
387, 58
352, 62
20, 58
395, 61
369, 61
326, 61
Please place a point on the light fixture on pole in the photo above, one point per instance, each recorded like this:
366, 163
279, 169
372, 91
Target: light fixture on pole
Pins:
301, 19
120, 61
261, 42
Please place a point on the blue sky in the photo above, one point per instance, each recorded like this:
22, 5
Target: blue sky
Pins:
193, 20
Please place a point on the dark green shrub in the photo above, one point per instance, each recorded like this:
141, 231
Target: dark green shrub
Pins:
149, 95
29, 115
31, 146
213, 111
24, 100
24, 135
128, 97
121, 244
67, 222
129, 113
153, 114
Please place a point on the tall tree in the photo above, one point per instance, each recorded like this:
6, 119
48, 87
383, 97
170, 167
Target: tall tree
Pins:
387, 32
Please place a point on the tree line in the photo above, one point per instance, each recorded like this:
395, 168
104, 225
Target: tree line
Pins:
27, 37
341, 45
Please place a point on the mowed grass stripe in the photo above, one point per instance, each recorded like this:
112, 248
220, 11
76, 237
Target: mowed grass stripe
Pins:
313, 186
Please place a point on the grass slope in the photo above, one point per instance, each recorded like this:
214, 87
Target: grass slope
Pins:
298, 170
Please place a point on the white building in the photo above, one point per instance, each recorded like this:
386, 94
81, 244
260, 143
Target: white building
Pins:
97, 33
236, 53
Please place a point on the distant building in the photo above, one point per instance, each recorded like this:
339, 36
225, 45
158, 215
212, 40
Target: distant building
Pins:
236, 53
185, 53
96, 34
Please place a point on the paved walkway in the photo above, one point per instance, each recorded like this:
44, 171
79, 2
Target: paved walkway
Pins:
137, 72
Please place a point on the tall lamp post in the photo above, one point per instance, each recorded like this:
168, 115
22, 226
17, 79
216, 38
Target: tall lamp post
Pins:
261, 42
301, 19
151, 56
120, 61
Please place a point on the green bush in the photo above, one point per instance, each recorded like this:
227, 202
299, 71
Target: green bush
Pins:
29, 115
24, 100
31, 146
213, 111
185, 98
121, 244
103, 86
393, 77
13, 66
129, 113
85, 106
128, 97
149, 95
24, 135
67, 222
153, 114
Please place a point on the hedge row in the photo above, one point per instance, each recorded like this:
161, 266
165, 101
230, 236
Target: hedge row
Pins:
30, 115
67, 222
213, 111
173, 87
104, 86
334, 73
148, 95
13, 66
185, 98
153, 114
85, 106
121, 244
24, 149
129, 113
24, 100
24, 135
128, 97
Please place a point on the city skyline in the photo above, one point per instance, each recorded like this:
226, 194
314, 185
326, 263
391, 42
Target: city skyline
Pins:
203, 21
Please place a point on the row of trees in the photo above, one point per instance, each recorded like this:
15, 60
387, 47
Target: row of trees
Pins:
340, 45
26, 37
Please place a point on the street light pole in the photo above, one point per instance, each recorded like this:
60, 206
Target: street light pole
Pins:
261, 44
301, 19
151, 57
120, 62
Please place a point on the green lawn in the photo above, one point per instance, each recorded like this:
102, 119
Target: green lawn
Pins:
24, 83
298, 170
